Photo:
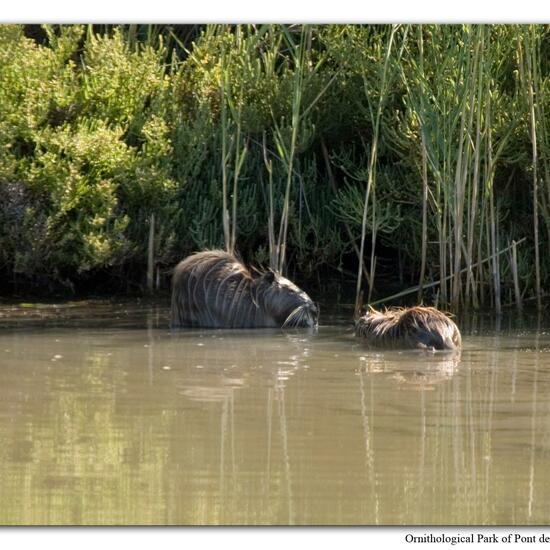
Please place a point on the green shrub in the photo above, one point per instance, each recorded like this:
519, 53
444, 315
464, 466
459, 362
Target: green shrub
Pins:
102, 129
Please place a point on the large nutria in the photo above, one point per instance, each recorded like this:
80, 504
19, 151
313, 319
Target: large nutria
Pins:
214, 289
414, 327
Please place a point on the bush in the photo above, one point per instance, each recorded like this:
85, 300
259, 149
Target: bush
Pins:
102, 129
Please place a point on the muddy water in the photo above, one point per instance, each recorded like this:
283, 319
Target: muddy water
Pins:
107, 417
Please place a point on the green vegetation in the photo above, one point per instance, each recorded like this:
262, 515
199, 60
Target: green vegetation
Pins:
422, 150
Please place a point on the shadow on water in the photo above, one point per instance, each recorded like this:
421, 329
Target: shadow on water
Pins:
109, 417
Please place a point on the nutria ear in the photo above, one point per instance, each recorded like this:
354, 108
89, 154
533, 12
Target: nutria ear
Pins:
268, 276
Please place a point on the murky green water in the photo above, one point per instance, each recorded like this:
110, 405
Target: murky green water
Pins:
107, 417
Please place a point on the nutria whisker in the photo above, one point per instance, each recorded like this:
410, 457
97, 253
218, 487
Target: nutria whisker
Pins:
294, 315
214, 289
302, 317
414, 327
308, 317
299, 317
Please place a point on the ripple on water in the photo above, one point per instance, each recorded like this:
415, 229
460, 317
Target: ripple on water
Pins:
265, 428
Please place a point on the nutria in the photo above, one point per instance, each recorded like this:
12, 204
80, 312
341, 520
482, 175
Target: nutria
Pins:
414, 327
214, 289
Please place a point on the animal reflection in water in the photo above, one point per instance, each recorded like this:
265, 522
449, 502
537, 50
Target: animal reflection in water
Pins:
412, 370
415, 327
229, 361
213, 289
221, 390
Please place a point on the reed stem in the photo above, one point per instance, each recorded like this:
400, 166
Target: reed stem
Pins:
514, 266
439, 282
151, 253
372, 165
528, 73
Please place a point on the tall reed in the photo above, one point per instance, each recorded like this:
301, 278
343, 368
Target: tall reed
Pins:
371, 178
286, 138
233, 145
287, 150
528, 59
458, 155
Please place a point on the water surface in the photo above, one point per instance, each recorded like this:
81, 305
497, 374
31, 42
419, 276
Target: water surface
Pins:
108, 417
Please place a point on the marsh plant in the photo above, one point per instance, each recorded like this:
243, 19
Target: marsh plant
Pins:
417, 156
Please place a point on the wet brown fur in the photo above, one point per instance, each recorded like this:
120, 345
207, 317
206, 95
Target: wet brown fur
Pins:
214, 289
414, 327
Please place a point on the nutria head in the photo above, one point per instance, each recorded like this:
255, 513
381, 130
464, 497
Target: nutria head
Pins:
215, 289
414, 327
283, 301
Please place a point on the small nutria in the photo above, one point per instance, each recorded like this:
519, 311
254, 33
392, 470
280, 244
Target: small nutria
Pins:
413, 327
214, 289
